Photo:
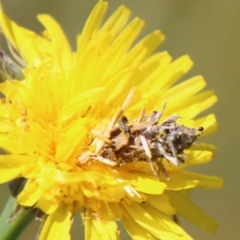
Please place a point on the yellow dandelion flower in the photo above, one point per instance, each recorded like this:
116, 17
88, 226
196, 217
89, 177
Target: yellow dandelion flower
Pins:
96, 131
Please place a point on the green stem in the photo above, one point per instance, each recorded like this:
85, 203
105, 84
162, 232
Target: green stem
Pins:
13, 229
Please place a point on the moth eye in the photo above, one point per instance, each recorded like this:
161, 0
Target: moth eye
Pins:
200, 128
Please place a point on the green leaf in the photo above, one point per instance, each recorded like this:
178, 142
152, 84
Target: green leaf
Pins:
11, 230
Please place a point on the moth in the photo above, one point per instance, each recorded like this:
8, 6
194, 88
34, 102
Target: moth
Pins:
147, 139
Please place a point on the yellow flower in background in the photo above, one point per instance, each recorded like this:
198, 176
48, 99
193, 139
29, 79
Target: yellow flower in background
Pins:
64, 131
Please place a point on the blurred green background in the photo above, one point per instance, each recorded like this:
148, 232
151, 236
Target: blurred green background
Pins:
207, 30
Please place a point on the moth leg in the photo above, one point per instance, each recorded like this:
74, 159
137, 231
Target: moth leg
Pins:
148, 154
174, 160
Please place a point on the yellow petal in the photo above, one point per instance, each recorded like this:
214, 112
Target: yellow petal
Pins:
57, 225
46, 206
204, 181
206, 99
179, 181
30, 194
161, 202
116, 21
179, 67
100, 229
18, 39
136, 231
11, 166
156, 222
91, 26
209, 123
143, 183
200, 153
62, 51
187, 209
179, 95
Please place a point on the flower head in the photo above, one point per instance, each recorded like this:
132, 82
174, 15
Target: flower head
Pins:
97, 131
